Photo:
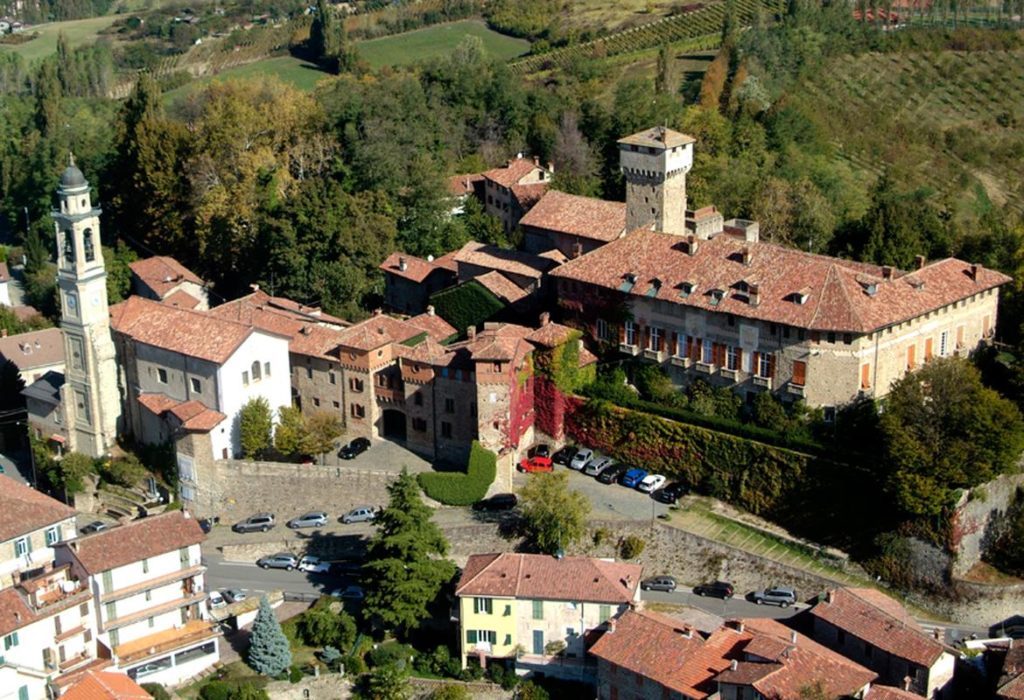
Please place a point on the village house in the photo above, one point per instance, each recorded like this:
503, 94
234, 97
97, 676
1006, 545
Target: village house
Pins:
511, 190
876, 631
163, 278
148, 582
105, 685
572, 224
31, 524
410, 281
540, 611
34, 353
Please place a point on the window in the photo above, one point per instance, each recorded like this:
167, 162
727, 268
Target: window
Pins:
911, 360
707, 352
538, 610
417, 398
657, 338
508, 611
145, 566
847, 338
88, 246
865, 375
83, 609
149, 596
927, 349
22, 546
799, 373
449, 405
764, 364
197, 386
481, 636
355, 384
604, 612
309, 373
446, 429
601, 329
256, 373
483, 606
943, 343
151, 622
630, 331
52, 536
23, 693
331, 378
316, 401
959, 337
831, 337
161, 375
266, 369
732, 358
245, 379
538, 641
10, 641
358, 410
419, 425
497, 368
69, 246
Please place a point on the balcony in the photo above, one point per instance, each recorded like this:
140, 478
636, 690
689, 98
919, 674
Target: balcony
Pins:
733, 375
152, 583
795, 389
124, 621
655, 355
164, 641
683, 362
68, 664
68, 634
763, 382
704, 367
389, 395
628, 349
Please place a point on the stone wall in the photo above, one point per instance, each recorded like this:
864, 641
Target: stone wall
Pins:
976, 515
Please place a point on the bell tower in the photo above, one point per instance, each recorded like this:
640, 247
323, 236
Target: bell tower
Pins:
89, 395
654, 163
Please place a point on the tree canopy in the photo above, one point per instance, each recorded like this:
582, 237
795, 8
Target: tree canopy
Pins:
556, 516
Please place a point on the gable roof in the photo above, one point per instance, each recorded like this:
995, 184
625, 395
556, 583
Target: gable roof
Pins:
586, 217
377, 331
135, 541
24, 510
192, 415
162, 273
879, 620
514, 262
33, 349
14, 611
841, 295
460, 185
416, 269
193, 333
433, 325
308, 331
180, 297
502, 287
543, 577
512, 172
529, 194
105, 685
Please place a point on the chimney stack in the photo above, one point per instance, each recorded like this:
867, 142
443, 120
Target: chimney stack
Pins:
430, 311
919, 261
254, 287
828, 596
536, 161
974, 273
792, 637
471, 332
545, 318
887, 272
611, 626
745, 254
402, 265
551, 167
733, 665
691, 244
753, 294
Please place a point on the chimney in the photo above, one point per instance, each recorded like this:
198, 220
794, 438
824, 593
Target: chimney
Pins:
551, 167
430, 311
745, 255
17, 616
792, 637
828, 596
536, 161
753, 294
735, 624
545, 319
402, 265
691, 244
611, 626
471, 332
254, 287
919, 261
973, 274
886, 272
378, 312
733, 665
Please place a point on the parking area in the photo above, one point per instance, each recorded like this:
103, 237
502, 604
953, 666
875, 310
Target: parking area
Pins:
383, 455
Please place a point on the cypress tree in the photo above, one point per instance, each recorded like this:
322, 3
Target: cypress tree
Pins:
269, 652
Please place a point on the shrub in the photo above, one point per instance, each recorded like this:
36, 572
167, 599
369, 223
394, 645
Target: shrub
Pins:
215, 690
125, 471
390, 653
601, 535
157, 691
631, 547
450, 691
531, 691
462, 489
294, 674
330, 655
355, 665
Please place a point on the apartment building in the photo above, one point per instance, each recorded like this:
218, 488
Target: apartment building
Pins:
147, 579
521, 606
31, 525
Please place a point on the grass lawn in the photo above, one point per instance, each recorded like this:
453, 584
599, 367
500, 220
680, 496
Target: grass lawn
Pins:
78, 31
295, 71
437, 41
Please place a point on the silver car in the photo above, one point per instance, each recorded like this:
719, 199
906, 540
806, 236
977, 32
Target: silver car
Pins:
596, 466
581, 459
366, 514
776, 595
313, 519
281, 560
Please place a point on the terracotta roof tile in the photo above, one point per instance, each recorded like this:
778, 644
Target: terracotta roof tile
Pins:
24, 510
377, 331
105, 685
502, 287
304, 329
511, 173
182, 299
162, 273
157, 404
878, 620
34, 348
509, 261
135, 541
459, 185
551, 335
888, 692
529, 194
14, 611
539, 576
196, 417
837, 299
416, 269
447, 261
192, 333
586, 217
434, 326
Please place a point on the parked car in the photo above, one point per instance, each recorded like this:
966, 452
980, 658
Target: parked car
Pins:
581, 458
281, 560
206, 524
651, 483
671, 493
716, 589
598, 465
365, 514
350, 593
776, 595
316, 518
346, 568
541, 450
216, 600
613, 473
633, 477
95, 526
314, 565
535, 464
658, 583
355, 448
260, 522
500, 501
234, 595
564, 455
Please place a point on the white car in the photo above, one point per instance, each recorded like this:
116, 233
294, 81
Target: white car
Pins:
651, 483
581, 459
216, 600
314, 565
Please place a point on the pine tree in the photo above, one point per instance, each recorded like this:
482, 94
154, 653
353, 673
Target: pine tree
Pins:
405, 571
269, 652
662, 78
324, 39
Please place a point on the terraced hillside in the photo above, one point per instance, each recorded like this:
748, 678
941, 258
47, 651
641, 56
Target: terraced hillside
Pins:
953, 120
699, 27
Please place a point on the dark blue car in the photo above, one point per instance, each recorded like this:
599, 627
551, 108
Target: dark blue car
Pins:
633, 477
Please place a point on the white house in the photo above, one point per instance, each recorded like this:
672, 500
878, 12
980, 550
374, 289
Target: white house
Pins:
31, 523
148, 581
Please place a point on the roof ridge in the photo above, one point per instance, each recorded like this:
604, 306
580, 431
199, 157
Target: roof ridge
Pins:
496, 556
519, 573
853, 591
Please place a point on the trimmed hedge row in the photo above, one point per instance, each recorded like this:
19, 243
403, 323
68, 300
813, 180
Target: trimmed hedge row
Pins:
462, 489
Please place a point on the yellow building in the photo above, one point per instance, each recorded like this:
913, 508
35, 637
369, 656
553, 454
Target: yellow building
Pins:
527, 606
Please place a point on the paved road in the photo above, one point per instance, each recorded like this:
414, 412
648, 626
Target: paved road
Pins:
253, 580
735, 607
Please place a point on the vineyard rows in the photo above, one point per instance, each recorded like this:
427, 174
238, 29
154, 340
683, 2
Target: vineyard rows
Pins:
702, 22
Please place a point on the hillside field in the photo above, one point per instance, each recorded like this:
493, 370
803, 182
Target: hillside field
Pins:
437, 40
78, 31
291, 70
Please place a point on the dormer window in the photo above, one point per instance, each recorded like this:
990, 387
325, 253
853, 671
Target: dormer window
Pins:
686, 289
628, 281
655, 287
801, 296
715, 297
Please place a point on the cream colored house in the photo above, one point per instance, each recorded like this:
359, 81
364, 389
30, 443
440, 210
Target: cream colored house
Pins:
31, 524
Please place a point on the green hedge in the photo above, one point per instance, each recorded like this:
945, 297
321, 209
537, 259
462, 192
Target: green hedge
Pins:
462, 489
469, 304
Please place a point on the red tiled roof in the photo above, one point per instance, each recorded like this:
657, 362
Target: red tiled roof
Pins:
459, 185
196, 417
182, 299
509, 261
5, 275
543, 577
24, 510
14, 611
416, 269
34, 348
434, 326
377, 331
300, 324
888, 692
502, 287
157, 404
838, 290
512, 172
106, 685
447, 261
505, 342
135, 541
1011, 690
162, 273
586, 217
529, 194
551, 335
192, 333
878, 620
299, 311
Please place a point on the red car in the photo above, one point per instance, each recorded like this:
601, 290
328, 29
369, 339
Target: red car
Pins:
535, 464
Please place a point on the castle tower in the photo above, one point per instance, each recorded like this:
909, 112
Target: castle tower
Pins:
655, 163
89, 395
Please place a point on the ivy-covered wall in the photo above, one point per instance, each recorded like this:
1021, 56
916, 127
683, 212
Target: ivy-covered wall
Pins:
469, 304
558, 375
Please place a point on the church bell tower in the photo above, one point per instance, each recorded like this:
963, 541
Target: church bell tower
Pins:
89, 395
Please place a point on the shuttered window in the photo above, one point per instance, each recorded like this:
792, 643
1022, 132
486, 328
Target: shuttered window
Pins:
865, 376
911, 356
799, 373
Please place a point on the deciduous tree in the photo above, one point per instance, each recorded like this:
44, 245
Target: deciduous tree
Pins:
323, 428
290, 432
254, 427
556, 516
